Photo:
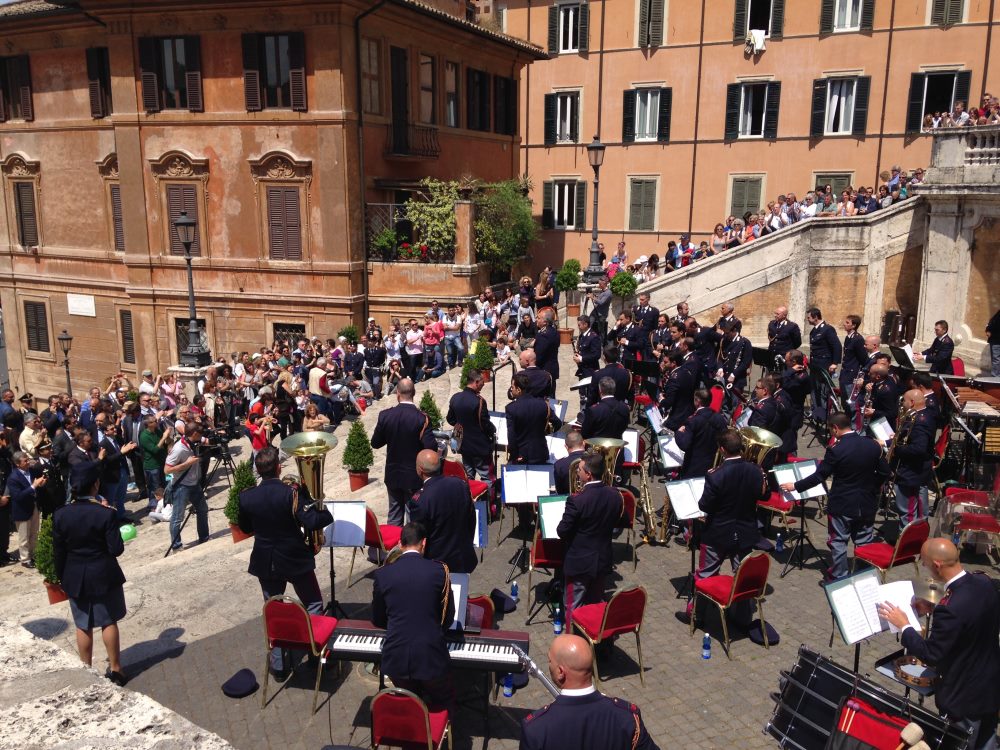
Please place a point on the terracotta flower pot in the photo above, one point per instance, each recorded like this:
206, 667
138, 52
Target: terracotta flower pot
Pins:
572, 310
358, 479
238, 534
487, 375
55, 592
565, 335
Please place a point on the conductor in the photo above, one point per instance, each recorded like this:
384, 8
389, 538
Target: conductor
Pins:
444, 506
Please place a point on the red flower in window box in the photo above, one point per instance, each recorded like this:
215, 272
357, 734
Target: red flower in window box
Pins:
424, 253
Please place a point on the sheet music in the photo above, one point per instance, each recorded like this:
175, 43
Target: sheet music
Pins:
851, 618
557, 446
583, 383
499, 420
550, 513
460, 593
631, 449
792, 473
909, 351
744, 419
558, 408
480, 535
671, 455
900, 593
867, 589
881, 429
349, 521
684, 496
525, 484
655, 418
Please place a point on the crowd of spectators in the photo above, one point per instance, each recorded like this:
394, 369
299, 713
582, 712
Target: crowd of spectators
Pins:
987, 113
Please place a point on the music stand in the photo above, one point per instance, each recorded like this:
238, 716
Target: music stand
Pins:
527, 493
798, 547
763, 359
347, 530
902, 357
643, 368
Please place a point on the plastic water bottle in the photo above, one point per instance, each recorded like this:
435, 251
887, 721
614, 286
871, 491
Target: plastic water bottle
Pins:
513, 591
955, 538
557, 621
706, 647
508, 686
779, 543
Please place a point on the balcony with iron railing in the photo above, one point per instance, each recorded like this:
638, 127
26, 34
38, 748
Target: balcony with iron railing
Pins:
411, 141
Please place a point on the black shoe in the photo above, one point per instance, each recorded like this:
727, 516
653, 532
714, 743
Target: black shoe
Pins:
116, 677
29, 564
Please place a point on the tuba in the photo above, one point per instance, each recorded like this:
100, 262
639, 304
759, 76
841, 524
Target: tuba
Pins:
574, 481
309, 450
610, 449
758, 444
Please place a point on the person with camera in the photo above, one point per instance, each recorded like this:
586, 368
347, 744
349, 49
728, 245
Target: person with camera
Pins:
183, 464
276, 514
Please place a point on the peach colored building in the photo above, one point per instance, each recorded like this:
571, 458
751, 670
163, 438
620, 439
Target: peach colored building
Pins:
698, 126
274, 124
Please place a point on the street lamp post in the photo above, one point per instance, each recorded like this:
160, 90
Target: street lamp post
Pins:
595, 155
65, 342
196, 355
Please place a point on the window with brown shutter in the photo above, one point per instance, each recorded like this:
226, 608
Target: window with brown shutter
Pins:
116, 218
128, 340
99, 82
274, 71
27, 217
15, 88
284, 223
170, 73
36, 326
183, 198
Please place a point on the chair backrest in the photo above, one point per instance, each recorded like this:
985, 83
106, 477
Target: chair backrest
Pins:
624, 612
400, 716
751, 577
628, 499
642, 450
941, 446
454, 469
958, 366
489, 611
546, 553
978, 498
717, 396
373, 537
286, 621
911, 539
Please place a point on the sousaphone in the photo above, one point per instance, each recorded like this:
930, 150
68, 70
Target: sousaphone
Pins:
309, 450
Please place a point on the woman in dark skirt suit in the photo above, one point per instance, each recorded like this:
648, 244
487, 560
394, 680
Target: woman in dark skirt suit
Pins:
86, 541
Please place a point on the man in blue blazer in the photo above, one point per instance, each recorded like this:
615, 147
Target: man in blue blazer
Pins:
444, 507
527, 417
468, 409
697, 437
547, 349
941, 350
412, 600
22, 490
962, 645
403, 431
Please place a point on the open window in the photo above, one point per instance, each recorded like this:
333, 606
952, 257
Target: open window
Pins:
935, 92
766, 15
752, 110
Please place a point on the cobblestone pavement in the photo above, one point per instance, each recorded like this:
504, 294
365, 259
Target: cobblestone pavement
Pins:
194, 620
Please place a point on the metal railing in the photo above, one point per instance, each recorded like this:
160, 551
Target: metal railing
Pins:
382, 216
412, 140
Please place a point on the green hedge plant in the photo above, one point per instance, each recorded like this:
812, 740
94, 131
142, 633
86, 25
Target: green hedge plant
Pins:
243, 479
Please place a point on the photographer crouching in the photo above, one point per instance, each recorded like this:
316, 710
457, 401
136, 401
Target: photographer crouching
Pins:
277, 514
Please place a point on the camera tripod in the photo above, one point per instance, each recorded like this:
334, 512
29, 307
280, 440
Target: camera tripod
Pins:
222, 457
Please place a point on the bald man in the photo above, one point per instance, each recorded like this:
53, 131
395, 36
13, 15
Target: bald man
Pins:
539, 381
883, 395
913, 457
783, 335
444, 507
962, 645
581, 717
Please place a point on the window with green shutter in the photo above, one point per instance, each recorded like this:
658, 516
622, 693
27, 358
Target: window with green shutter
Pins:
128, 338
836, 180
651, 14
569, 28
36, 326
947, 12
746, 192
183, 198
642, 204
117, 221
27, 216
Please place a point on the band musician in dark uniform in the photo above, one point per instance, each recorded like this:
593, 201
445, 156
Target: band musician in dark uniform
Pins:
940, 352
588, 348
783, 335
609, 417
547, 349
403, 430
677, 400
913, 457
582, 718
412, 600
698, 437
854, 357
444, 508
824, 354
737, 358
276, 514
468, 414
528, 420
858, 468
884, 401
586, 528
962, 645
729, 501
574, 450
616, 371
539, 381
765, 410
632, 336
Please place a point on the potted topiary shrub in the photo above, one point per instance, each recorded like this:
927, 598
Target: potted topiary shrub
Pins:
567, 281
623, 286
349, 332
358, 456
243, 479
429, 407
45, 562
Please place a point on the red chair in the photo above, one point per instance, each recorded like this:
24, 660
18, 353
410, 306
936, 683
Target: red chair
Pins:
628, 501
383, 537
489, 609
776, 505
884, 556
545, 554
287, 625
718, 395
958, 367
477, 487
401, 719
623, 614
749, 582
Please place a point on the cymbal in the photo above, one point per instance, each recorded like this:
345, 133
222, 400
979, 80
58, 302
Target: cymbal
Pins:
928, 590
